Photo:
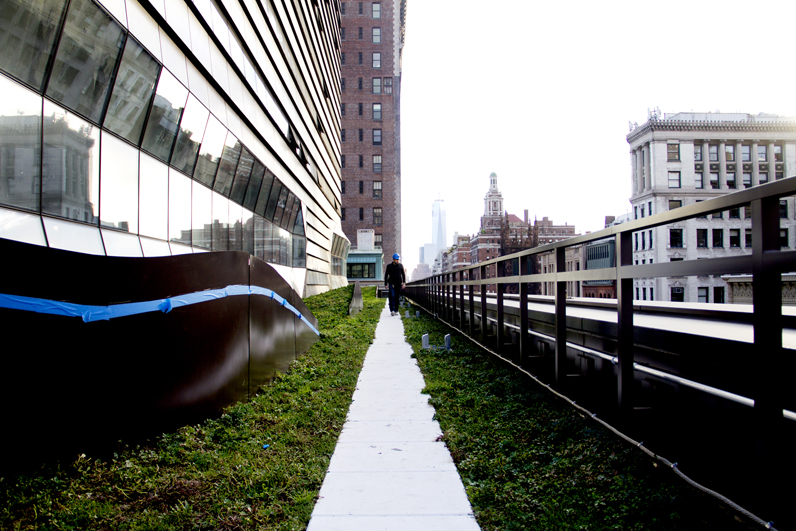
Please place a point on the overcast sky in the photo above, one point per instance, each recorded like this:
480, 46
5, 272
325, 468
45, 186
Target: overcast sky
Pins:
541, 94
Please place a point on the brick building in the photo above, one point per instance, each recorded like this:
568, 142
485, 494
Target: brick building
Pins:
372, 36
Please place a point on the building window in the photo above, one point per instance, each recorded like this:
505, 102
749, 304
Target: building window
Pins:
702, 237
360, 33
713, 151
360, 8
675, 203
729, 153
376, 9
361, 270
361, 55
377, 216
714, 180
698, 152
763, 177
342, 214
675, 237
361, 213
747, 211
698, 182
360, 109
377, 137
731, 180
636, 238
650, 244
762, 153
746, 153
361, 135
635, 212
377, 241
361, 162
718, 237
342, 84
359, 83
735, 237
376, 35
748, 238
702, 294
342, 58
779, 175
377, 163
376, 85
376, 189
377, 111
783, 209
735, 213
674, 179
342, 109
747, 180
717, 215
388, 85
342, 165
342, 34
673, 152
643, 242
361, 187
342, 135
718, 295
783, 237
777, 153
342, 8
677, 295
376, 59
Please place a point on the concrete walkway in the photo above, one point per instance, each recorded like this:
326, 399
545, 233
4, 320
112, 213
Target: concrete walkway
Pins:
388, 471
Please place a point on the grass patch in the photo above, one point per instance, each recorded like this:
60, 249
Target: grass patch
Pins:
217, 475
530, 461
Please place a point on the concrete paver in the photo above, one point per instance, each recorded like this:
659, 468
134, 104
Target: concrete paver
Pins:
388, 471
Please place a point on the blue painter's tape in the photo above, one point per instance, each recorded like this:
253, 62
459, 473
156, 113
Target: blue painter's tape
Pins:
89, 313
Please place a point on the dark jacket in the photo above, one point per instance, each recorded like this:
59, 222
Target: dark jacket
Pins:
395, 274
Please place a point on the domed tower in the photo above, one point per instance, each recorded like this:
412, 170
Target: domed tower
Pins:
493, 205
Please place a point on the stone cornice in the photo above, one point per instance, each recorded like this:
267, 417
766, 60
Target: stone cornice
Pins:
680, 125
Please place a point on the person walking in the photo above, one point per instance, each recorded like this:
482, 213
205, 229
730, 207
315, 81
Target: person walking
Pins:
395, 279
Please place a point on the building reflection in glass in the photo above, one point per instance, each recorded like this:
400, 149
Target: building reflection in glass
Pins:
20, 146
118, 184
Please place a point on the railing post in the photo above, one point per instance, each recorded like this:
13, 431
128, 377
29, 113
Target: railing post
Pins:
500, 269
525, 340
471, 307
624, 300
484, 322
561, 319
461, 300
449, 298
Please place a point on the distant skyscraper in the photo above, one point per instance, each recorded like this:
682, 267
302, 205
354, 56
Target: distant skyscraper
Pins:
438, 228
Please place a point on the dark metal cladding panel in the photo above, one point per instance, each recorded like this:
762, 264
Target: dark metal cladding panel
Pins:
273, 344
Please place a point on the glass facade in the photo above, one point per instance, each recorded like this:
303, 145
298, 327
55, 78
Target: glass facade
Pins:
104, 144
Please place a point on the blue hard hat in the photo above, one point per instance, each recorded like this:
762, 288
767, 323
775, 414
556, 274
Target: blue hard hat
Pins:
396, 256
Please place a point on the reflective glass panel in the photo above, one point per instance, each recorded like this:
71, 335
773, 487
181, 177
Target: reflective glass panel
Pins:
121, 244
83, 68
154, 198
21, 227
28, 29
192, 129
273, 199
227, 165
280, 205
118, 184
201, 216
298, 228
248, 230
161, 127
155, 247
271, 243
220, 223
132, 92
179, 208
285, 242
242, 176
292, 221
70, 236
210, 151
288, 211
299, 258
235, 227
259, 237
265, 193
20, 146
255, 183
70, 165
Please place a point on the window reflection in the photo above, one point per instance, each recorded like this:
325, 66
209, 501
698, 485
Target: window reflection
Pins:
20, 145
227, 165
161, 128
242, 176
189, 137
28, 29
83, 68
259, 237
273, 199
154, 198
247, 220
299, 258
293, 213
220, 223
280, 205
118, 184
73, 236
235, 227
255, 183
202, 216
210, 151
132, 92
291, 199
70, 165
265, 193
21, 227
298, 228
180, 208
